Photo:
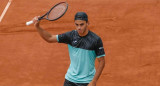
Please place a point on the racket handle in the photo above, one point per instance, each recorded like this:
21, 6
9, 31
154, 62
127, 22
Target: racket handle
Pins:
29, 23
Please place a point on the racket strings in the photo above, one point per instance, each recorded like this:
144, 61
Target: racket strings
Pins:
57, 11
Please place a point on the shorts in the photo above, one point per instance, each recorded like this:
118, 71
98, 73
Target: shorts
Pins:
69, 83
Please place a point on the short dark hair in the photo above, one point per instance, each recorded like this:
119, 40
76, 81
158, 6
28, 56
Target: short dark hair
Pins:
81, 16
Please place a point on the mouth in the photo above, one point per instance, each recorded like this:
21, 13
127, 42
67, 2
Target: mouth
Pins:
79, 31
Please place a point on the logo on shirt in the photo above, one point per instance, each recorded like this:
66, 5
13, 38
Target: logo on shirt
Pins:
75, 42
100, 48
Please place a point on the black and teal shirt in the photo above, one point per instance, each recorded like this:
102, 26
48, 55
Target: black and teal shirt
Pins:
83, 52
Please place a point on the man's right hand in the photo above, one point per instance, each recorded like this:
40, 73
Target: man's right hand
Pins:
36, 21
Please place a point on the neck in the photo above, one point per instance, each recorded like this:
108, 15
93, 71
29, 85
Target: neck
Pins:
84, 33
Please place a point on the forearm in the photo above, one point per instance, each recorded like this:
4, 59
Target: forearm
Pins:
99, 70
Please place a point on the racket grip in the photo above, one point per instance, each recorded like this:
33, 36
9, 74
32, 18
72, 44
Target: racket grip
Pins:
29, 23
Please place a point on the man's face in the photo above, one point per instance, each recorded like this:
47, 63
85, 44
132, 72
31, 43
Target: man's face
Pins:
81, 26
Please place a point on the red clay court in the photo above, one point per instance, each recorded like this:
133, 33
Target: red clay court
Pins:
130, 31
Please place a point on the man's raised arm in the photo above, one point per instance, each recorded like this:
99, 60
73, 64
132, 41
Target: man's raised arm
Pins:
44, 34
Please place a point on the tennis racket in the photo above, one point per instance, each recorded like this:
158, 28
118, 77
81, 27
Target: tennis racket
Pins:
56, 12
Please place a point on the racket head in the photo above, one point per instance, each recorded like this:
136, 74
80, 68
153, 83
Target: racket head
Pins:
57, 11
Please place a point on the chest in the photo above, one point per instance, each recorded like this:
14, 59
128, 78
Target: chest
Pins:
87, 43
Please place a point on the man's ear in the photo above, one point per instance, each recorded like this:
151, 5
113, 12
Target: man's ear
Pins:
88, 23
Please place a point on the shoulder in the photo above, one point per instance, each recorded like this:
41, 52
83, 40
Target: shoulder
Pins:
94, 36
72, 32
69, 33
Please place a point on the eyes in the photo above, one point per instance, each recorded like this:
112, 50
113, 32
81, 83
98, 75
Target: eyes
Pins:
79, 24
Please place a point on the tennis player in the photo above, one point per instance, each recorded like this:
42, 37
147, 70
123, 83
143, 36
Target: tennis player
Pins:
84, 47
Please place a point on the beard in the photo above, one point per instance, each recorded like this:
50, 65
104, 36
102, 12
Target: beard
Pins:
82, 32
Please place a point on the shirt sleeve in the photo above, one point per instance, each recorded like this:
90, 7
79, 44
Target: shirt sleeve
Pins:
64, 38
99, 49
